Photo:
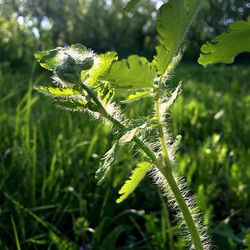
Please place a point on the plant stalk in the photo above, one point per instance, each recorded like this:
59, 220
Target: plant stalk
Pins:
165, 169
118, 124
196, 239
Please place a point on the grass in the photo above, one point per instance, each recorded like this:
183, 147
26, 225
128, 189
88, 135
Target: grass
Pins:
50, 199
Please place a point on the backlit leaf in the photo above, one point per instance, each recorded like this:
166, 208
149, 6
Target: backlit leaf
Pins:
101, 67
105, 93
134, 180
49, 59
57, 92
135, 72
226, 46
137, 96
174, 20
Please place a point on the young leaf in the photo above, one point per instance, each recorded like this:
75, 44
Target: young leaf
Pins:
134, 180
174, 20
176, 144
50, 59
137, 96
106, 163
105, 93
226, 46
131, 4
135, 72
101, 67
71, 104
128, 137
165, 105
110, 156
58, 92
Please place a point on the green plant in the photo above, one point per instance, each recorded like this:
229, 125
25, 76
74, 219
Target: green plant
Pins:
88, 82
226, 46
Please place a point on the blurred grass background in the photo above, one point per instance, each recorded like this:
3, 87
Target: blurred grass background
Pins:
48, 194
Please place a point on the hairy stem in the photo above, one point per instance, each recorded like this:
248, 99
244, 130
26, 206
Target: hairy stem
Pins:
118, 124
161, 132
165, 169
196, 239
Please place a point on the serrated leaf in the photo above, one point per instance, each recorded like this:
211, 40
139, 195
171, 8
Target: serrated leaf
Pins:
174, 20
137, 96
108, 159
106, 163
57, 92
226, 46
71, 104
134, 73
134, 180
101, 67
131, 4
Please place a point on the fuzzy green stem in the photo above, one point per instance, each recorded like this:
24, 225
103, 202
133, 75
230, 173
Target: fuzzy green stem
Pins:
184, 208
166, 170
161, 133
118, 124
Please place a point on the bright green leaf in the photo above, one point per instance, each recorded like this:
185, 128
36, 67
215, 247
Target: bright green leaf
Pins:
137, 96
174, 20
135, 72
57, 92
105, 93
134, 180
226, 46
131, 4
101, 67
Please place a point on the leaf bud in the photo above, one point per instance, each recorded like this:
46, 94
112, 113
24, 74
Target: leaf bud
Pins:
87, 63
68, 71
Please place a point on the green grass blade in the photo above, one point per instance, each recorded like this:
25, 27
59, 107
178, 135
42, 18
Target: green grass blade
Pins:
15, 233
